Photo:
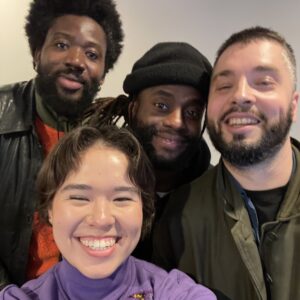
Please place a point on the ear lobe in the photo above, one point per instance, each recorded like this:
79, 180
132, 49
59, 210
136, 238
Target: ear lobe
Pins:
50, 216
36, 59
295, 106
132, 109
101, 81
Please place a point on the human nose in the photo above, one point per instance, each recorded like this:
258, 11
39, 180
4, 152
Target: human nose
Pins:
243, 93
75, 59
101, 214
174, 119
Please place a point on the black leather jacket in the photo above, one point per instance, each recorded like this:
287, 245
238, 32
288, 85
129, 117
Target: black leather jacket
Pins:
20, 158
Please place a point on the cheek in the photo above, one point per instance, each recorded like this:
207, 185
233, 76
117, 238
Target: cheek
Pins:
212, 110
134, 220
96, 70
64, 218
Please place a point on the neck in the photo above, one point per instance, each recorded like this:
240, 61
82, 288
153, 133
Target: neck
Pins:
50, 117
269, 174
165, 180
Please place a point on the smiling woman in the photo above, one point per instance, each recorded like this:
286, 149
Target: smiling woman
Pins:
96, 190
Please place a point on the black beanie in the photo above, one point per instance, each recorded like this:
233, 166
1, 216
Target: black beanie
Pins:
169, 63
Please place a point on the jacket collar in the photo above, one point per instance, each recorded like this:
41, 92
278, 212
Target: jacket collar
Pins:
17, 107
232, 191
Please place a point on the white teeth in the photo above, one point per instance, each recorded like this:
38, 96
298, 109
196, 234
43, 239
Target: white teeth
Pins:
242, 121
98, 244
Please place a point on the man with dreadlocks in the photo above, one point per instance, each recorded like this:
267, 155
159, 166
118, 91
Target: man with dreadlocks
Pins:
73, 45
168, 89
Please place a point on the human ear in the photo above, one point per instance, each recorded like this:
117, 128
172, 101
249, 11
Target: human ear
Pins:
50, 215
295, 106
36, 59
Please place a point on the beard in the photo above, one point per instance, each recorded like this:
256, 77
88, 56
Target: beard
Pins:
145, 133
65, 105
240, 154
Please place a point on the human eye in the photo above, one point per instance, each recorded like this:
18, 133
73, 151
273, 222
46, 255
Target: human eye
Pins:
265, 83
123, 199
161, 106
77, 197
223, 86
92, 55
61, 45
222, 83
193, 113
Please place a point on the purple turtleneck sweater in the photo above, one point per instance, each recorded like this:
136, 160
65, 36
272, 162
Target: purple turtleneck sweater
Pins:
135, 279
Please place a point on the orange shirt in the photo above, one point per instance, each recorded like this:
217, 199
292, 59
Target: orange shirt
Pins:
43, 252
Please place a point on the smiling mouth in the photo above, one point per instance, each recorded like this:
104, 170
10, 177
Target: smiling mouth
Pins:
70, 84
98, 244
241, 121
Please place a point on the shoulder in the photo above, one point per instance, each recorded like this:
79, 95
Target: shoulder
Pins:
198, 188
171, 285
13, 292
16, 106
16, 91
11, 88
32, 289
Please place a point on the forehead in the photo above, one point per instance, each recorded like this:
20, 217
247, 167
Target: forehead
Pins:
242, 57
99, 159
78, 25
176, 92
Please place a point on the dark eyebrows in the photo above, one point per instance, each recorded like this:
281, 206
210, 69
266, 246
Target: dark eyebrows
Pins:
166, 94
59, 34
83, 187
266, 69
127, 189
224, 73
163, 93
258, 69
65, 35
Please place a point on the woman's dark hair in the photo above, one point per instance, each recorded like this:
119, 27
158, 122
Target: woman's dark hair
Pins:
42, 14
67, 154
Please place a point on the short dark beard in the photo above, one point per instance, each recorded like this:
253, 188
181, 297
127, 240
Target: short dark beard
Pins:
64, 106
240, 154
145, 135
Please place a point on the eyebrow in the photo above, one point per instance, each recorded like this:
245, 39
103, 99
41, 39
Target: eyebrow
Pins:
266, 69
127, 189
258, 69
163, 93
224, 73
85, 187
191, 101
69, 36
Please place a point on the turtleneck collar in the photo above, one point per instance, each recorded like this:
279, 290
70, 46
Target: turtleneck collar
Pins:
50, 117
77, 286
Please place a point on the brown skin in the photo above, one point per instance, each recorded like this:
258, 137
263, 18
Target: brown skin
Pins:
172, 110
73, 42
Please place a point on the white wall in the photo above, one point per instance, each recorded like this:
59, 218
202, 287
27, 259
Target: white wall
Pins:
203, 23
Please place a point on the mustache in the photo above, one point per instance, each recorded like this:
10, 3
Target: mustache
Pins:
181, 132
240, 109
67, 72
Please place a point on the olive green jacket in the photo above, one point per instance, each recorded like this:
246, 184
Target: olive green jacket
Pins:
207, 233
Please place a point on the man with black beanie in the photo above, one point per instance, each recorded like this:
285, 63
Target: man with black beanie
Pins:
168, 90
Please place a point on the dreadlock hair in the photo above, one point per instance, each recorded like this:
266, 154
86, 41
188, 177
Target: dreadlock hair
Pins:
42, 14
108, 111
115, 111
